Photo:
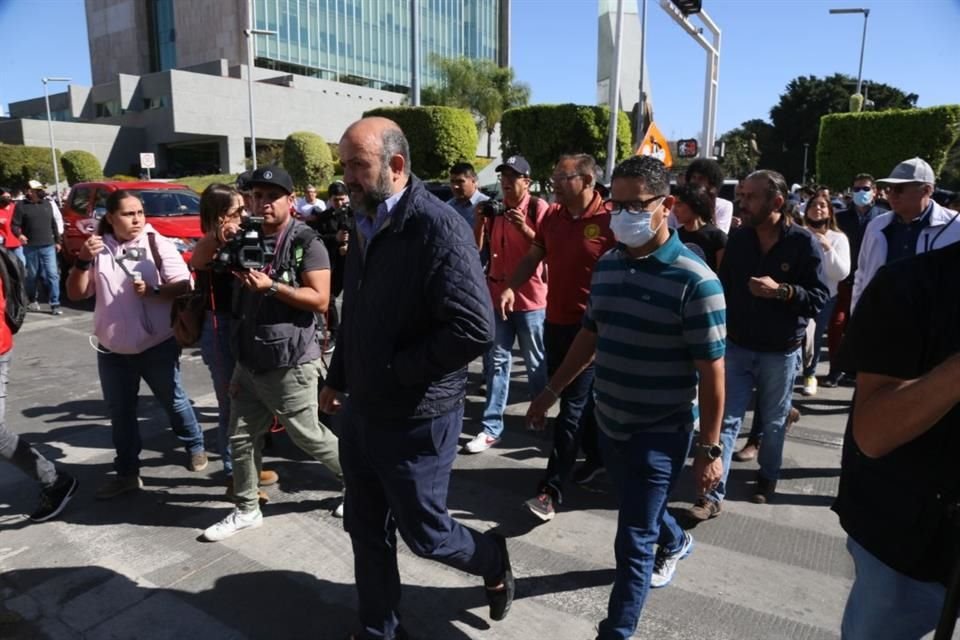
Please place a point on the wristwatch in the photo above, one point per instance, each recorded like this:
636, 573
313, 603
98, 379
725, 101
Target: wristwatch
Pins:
783, 292
156, 290
274, 288
711, 451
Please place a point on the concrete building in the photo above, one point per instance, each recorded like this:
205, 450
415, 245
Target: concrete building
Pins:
171, 77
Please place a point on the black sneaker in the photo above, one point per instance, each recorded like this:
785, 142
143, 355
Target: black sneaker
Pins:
587, 473
832, 381
500, 599
56, 311
54, 499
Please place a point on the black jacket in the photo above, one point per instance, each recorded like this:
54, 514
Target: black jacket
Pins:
37, 222
416, 311
761, 324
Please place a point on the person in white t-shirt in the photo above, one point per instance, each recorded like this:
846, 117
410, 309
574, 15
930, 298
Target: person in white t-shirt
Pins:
309, 204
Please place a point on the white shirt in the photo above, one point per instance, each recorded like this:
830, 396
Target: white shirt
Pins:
723, 214
305, 208
836, 261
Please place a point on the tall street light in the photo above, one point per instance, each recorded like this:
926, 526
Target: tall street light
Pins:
863, 41
53, 152
250, 32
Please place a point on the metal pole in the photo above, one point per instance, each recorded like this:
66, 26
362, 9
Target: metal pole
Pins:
250, 45
641, 106
415, 53
863, 44
53, 151
615, 94
806, 148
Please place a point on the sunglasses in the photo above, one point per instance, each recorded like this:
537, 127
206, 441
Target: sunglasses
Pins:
903, 186
856, 189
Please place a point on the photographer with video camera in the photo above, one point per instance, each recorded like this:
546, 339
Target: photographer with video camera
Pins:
509, 228
275, 339
334, 226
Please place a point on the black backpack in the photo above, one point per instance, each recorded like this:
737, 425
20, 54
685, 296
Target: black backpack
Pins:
14, 289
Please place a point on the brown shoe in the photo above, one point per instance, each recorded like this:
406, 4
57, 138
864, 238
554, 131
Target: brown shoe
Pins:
704, 510
748, 453
198, 461
764, 491
268, 478
793, 416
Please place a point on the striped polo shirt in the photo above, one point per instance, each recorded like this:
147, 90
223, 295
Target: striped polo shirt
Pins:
653, 317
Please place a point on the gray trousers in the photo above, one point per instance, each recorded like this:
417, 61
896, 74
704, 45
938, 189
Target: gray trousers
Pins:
15, 449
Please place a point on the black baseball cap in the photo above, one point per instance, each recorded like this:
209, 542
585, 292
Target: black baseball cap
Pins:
518, 164
243, 182
272, 175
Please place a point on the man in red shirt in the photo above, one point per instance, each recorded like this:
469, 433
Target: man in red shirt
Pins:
9, 239
508, 232
56, 489
572, 237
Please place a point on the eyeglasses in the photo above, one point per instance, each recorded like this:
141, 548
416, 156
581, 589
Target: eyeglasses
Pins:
903, 186
635, 207
856, 189
557, 179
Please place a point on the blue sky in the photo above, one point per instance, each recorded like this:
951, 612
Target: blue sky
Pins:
910, 45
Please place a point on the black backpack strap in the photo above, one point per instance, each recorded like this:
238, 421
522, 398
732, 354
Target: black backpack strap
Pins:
152, 240
532, 205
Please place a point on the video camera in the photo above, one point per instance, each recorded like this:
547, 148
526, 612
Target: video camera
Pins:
244, 251
492, 208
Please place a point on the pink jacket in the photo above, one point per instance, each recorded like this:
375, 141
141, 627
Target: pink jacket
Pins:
122, 321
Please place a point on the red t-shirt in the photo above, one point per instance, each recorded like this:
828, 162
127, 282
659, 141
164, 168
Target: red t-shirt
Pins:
6, 336
572, 246
10, 240
507, 247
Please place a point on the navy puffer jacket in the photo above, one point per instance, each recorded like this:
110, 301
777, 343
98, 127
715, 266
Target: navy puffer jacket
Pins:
416, 311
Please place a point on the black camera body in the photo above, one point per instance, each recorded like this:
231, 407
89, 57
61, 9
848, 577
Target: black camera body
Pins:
246, 250
492, 208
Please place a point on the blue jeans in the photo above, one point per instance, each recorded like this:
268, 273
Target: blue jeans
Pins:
575, 426
216, 354
527, 328
887, 605
120, 376
772, 375
820, 323
18, 251
644, 470
397, 473
42, 262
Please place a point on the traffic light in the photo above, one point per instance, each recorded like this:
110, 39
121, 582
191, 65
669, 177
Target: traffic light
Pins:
688, 7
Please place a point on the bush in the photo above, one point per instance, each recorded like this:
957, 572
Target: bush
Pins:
19, 164
81, 166
438, 137
542, 133
852, 143
307, 159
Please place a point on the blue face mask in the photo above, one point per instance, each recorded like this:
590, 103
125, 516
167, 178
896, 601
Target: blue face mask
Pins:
863, 198
633, 230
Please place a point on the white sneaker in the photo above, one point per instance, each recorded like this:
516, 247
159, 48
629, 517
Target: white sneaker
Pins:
481, 442
338, 512
809, 386
236, 522
665, 564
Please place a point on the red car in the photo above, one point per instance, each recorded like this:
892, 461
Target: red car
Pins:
172, 209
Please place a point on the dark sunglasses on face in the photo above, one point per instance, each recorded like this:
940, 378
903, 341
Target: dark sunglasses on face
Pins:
903, 186
855, 189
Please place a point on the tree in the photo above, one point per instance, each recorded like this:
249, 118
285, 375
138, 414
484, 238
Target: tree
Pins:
480, 86
796, 117
307, 158
81, 166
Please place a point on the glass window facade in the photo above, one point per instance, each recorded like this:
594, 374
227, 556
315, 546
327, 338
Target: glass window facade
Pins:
162, 34
367, 42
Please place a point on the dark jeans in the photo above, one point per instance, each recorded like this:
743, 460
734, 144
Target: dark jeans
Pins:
396, 473
821, 326
644, 470
575, 426
42, 264
120, 376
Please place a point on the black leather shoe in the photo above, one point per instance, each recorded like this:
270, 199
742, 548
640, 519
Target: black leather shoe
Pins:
500, 599
764, 491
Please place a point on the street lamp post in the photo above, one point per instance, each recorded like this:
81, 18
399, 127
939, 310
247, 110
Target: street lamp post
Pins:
53, 151
806, 148
250, 32
863, 41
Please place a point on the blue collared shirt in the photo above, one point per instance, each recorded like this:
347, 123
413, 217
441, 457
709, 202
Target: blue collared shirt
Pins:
370, 227
902, 236
465, 208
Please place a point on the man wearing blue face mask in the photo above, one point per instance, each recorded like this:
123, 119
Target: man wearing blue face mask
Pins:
655, 325
853, 222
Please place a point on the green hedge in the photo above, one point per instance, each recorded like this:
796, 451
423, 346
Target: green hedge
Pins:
542, 133
852, 143
307, 158
438, 137
19, 163
81, 166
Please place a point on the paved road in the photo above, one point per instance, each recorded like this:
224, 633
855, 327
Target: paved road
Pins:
134, 568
